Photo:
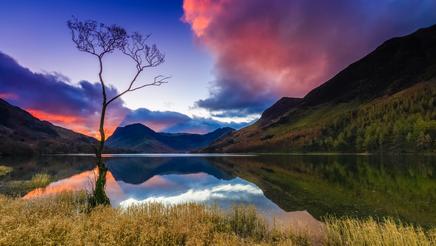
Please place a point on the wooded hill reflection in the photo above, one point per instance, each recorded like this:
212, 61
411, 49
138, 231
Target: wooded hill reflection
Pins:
346, 185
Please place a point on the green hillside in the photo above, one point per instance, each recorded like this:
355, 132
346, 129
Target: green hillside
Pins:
403, 122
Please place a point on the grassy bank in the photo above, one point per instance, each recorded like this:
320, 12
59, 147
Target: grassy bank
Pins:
66, 220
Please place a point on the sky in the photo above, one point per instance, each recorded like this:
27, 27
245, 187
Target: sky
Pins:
228, 59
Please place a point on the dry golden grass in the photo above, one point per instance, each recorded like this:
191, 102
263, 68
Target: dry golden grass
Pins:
348, 231
67, 220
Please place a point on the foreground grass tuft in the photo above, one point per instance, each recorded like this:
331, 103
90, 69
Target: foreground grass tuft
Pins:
67, 220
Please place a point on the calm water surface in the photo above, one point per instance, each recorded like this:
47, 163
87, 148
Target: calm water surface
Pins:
402, 187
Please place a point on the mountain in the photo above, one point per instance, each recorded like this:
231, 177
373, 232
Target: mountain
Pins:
23, 134
384, 102
280, 107
139, 138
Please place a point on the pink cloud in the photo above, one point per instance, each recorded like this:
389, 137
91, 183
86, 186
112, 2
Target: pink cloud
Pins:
267, 49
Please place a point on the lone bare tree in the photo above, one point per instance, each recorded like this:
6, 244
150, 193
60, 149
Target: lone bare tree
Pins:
100, 40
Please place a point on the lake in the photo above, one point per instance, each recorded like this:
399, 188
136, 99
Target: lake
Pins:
401, 186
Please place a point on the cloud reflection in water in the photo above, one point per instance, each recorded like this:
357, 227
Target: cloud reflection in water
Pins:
168, 189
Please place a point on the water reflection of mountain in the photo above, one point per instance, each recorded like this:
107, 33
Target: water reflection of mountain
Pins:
56, 166
400, 186
138, 170
24, 168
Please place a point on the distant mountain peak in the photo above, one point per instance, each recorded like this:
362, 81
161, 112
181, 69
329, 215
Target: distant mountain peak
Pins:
140, 138
135, 127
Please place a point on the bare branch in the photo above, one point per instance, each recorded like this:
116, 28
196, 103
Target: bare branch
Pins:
96, 39
157, 81
142, 54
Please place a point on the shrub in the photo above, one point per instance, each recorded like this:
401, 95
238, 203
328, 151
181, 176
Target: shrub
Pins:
5, 170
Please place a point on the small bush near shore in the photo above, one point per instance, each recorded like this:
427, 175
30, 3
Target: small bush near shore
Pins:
40, 180
5, 170
19, 188
67, 220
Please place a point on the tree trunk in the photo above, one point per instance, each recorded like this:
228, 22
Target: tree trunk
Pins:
100, 197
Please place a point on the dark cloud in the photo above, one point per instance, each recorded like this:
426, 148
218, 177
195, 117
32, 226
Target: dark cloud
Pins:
233, 100
264, 50
77, 107
49, 97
